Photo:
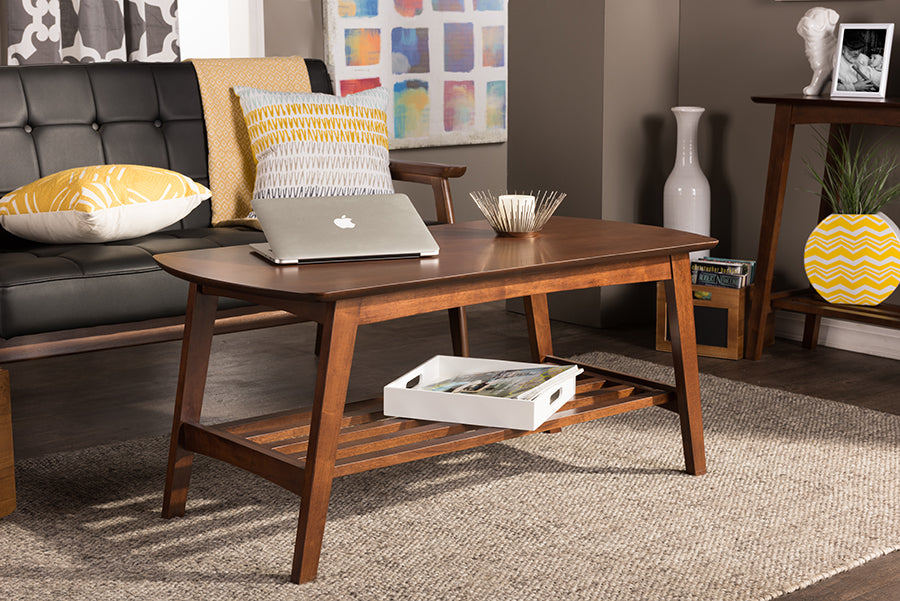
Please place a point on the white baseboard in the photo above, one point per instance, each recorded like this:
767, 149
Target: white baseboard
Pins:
841, 334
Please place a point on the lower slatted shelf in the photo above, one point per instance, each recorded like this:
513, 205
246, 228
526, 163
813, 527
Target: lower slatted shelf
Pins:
370, 440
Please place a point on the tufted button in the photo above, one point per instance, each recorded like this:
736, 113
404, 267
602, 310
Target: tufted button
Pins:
27, 129
157, 123
95, 126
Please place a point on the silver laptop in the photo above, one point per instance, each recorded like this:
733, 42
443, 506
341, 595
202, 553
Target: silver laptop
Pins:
341, 228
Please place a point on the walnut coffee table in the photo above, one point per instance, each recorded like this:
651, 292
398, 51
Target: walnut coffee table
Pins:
304, 450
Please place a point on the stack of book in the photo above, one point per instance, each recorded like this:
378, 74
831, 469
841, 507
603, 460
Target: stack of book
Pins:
728, 273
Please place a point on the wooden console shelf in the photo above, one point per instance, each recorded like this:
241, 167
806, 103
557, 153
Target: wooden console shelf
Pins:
811, 304
370, 440
792, 110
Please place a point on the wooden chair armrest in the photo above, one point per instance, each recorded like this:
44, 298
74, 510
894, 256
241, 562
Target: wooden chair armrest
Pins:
436, 175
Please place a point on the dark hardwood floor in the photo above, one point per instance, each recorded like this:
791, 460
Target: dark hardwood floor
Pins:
73, 402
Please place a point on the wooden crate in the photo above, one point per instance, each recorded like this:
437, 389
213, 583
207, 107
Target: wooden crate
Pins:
7, 470
718, 320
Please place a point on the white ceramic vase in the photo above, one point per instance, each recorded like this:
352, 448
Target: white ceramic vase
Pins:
686, 193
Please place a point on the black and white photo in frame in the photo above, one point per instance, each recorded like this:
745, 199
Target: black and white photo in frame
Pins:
861, 63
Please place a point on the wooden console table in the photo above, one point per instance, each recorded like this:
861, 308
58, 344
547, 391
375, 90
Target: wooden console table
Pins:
792, 110
303, 450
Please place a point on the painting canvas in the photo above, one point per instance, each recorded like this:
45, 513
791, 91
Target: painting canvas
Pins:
443, 61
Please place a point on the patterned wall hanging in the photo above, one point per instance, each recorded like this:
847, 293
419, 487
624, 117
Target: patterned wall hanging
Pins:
73, 31
443, 61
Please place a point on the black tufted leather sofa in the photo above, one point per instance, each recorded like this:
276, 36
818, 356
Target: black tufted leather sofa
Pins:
57, 299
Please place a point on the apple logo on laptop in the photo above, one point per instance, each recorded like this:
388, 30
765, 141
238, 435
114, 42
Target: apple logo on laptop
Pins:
344, 222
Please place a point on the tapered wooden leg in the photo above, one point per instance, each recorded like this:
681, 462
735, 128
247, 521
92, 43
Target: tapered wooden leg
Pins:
336, 355
195, 348
811, 326
776, 182
537, 314
680, 309
318, 345
459, 332
7, 466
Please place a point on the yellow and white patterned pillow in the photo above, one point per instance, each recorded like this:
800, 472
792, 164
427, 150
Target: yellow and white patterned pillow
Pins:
101, 203
318, 144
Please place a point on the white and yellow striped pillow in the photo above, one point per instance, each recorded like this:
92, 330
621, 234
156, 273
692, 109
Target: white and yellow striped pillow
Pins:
308, 144
100, 203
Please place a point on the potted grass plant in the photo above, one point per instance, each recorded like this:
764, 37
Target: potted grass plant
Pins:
853, 255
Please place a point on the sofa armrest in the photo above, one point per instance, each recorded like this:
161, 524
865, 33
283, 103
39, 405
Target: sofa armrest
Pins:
437, 175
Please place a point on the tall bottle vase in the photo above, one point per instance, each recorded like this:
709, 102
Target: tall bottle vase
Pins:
686, 193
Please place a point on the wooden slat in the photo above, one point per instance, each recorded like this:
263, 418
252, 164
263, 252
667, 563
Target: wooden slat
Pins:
420, 450
614, 376
284, 471
291, 418
576, 415
424, 432
353, 418
589, 383
373, 427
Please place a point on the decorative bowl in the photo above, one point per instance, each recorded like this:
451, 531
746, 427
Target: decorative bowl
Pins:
520, 215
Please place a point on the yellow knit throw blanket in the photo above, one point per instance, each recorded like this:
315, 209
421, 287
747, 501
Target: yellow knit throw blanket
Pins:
232, 169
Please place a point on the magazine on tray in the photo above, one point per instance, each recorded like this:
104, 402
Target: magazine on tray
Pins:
525, 383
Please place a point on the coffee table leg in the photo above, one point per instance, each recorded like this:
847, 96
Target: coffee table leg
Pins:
198, 333
7, 465
537, 314
336, 355
776, 182
680, 307
459, 331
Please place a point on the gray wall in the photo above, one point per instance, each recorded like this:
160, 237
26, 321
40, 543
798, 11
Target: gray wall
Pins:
589, 115
730, 51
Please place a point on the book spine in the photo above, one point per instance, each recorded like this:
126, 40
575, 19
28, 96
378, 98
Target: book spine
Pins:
751, 264
725, 280
732, 268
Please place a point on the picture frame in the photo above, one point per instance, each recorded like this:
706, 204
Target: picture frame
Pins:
861, 61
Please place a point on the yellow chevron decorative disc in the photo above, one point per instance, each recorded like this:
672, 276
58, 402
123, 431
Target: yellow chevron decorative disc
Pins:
854, 259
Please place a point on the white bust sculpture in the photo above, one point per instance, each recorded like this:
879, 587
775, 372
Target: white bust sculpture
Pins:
817, 30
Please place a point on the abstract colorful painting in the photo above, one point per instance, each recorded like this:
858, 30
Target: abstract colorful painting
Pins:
409, 50
411, 109
444, 61
459, 47
358, 8
362, 47
459, 105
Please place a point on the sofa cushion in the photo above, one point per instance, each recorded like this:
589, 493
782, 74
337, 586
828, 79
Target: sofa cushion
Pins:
317, 144
100, 203
55, 287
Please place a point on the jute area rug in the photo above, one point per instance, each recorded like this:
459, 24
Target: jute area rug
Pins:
799, 488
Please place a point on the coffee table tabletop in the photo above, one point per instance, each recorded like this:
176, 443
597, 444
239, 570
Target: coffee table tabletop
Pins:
303, 450
469, 251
